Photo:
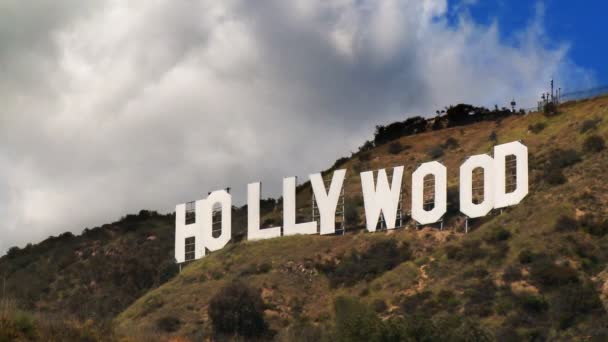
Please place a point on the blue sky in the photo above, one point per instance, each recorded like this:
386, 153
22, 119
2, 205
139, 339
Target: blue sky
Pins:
580, 24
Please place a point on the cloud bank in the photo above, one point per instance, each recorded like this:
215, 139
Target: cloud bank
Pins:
111, 107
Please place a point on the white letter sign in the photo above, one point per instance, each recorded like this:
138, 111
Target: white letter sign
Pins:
253, 216
439, 172
509, 166
225, 200
382, 198
517, 149
290, 227
467, 206
327, 201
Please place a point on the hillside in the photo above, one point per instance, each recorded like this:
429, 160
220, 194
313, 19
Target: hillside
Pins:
532, 272
93, 275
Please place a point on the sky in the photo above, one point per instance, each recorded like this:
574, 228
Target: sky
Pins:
108, 107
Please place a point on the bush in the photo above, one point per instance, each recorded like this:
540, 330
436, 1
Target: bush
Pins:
451, 143
537, 127
168, 324
463, 114
469, 251
413, 328
302, 330
355, 321
364, 156
565, 224
367, 146
526, 257
546, 273
395, 148
435, 152
418, 302
512, 273
338, 163
493, 137
559, 158
555, 177
594, 144
470, 330
238, 309
379, 305
252, 269
555, 162
588, 125
480, 298
575, 301
396, 130
594, 226
497, 235
382, 256
533, 303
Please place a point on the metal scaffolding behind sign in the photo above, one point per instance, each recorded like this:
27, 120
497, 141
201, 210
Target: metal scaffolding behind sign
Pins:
510, 173
190, 242
428, 193
478, 185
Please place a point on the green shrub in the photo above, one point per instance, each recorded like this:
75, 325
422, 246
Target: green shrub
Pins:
512, 273
435, 152
555, 177
594, 144
415, 327
480, 297
469, 251
355, 321
417, 303
493, 137
589, 125
533, 303
339, 163
302, 330
526, 257
548, 274
379, 305
575, 301
451, 143
565, 224
475, 272
252, 269
537, 127
471, 330
168, 324
364, 156
448, 300
367, 146
563, 158
264, 267
395, 148
238, 309
554, 163
594, 226
382, 256
497, 235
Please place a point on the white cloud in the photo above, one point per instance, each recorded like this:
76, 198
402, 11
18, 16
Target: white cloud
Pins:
111, 108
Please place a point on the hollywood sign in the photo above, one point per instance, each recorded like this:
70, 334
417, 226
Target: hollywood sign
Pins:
379, 197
